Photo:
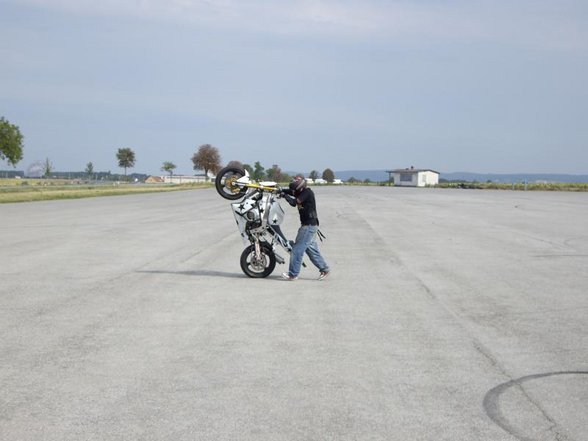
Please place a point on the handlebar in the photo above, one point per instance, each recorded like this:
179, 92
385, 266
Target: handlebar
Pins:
257, 186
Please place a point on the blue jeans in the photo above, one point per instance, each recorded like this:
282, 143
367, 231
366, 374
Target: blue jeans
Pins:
306, 242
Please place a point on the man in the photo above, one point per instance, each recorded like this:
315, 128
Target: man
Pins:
298, 194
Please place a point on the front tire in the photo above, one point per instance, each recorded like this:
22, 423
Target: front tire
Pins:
225, 183
258, 268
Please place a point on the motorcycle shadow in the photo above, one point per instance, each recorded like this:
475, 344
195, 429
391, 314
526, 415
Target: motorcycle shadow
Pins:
199, 273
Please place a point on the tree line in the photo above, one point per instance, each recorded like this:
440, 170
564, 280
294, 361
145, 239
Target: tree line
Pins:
206, 157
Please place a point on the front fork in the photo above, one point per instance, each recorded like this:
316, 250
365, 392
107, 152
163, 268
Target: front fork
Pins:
258, 255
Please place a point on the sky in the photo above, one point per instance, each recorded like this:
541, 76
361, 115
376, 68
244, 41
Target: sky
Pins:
486, 86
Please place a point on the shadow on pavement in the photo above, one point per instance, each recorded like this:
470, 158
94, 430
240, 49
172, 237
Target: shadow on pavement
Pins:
201, 273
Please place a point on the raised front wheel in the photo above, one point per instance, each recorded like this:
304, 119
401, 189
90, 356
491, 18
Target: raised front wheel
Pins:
226, 183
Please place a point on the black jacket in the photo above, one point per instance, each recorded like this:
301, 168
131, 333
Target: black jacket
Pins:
306, 204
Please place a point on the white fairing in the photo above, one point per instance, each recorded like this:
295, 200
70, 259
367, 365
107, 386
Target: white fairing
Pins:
259, 212
276, 214
245, 179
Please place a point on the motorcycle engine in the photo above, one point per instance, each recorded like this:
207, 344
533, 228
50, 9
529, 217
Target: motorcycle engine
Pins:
253, 219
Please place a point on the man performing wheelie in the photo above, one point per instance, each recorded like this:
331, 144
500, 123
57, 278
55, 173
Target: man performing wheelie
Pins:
298, 194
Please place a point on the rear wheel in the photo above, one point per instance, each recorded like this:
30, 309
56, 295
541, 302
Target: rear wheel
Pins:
226, 185
258, 267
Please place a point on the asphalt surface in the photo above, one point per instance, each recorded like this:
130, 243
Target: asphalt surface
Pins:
449, 315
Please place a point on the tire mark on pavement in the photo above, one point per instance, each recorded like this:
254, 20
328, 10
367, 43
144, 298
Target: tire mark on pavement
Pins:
491, 404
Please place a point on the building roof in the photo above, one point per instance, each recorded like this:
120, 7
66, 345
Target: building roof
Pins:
151, 179
411, 170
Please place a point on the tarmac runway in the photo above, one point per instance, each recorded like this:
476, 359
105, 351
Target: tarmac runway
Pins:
449, 315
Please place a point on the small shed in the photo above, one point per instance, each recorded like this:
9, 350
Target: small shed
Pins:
414, 177
154, 180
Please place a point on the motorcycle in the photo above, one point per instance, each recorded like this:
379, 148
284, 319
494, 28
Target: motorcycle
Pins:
259, 216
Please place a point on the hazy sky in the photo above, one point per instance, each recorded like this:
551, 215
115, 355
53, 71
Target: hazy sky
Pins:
483, 86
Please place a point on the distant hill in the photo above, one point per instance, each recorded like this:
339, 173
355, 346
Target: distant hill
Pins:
514, 177
362, 175
381, 175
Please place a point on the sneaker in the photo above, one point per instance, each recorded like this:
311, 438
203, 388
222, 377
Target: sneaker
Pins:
323, 275
287, 276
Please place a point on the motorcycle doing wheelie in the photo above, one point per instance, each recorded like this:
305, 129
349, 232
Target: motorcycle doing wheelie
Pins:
259, 216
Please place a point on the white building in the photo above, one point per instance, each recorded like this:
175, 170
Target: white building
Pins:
188, 179
320, 181
414, 177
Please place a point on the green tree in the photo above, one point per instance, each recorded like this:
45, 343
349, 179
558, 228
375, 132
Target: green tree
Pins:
89, 169
126, 158
168, 167
207, 158
47, 168
328, 175
258, 171
274, 173
11, 142
313, 175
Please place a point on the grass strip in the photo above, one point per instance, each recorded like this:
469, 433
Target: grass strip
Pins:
36, 193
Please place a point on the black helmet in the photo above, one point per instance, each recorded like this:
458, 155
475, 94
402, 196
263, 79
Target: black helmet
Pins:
298, 184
